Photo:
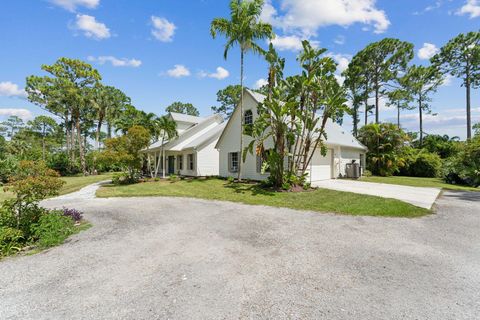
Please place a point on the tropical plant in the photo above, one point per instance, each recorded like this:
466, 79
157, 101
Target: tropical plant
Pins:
185, 108
385, 142
165, 130
444, 146
243, 29
460, 58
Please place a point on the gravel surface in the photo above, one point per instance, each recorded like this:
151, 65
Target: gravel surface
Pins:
175, 258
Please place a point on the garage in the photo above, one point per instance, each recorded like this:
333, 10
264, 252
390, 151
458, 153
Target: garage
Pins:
321, 166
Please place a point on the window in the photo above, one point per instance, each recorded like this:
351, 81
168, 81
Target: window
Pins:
233, 162
190, 162
248, 118
180, 162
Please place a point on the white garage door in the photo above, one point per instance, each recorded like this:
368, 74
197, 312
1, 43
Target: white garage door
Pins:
321, 167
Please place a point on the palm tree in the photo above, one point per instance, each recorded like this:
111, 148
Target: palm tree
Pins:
243, 29
165, 130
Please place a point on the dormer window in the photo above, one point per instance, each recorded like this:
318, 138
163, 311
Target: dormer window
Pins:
248, 117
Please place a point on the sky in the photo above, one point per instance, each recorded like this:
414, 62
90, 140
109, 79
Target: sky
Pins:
161, 51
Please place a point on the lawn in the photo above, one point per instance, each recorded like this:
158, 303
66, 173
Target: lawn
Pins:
321, 200
72, 184
418, 182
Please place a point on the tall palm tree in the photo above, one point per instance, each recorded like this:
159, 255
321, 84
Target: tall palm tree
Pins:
243, 29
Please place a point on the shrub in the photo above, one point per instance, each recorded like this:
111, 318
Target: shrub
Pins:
421, 163
464, 168
7, 167
74, 214
52, 229
173, 177
61, 163
10, 241
230, 179
126, 178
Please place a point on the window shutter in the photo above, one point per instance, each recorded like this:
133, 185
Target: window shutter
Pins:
259, 163
194, 158
230, 162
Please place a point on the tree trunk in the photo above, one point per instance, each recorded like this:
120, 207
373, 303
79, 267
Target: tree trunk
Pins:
355, 122
240, 162
420, 113
366, 111
80, 144
377, 102
72, 136
469, 119
109, 130
97, 134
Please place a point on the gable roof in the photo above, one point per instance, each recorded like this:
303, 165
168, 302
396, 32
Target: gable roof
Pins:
210, 135
180, 117
191, 137
336, 135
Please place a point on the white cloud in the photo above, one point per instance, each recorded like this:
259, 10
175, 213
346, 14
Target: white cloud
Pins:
309, 15
260, 83
471, 8
427, 51
10, 89
163, 30
19, 112
116, 62
342, 61
71, 5
178, 71
91, 28
292, 43
220, 74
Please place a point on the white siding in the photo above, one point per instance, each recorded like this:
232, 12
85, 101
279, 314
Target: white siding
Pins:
231, 143
207, 160
347, 155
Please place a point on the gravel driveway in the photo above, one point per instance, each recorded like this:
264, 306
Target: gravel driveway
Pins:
174, 258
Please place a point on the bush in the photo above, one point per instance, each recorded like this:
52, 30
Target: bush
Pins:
464, 168
8, 166
421, 163
53, 229
125, 178
173, 178
61, 163
230, 179
10, 241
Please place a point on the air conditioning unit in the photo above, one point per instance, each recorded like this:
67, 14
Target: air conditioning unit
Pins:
352, 170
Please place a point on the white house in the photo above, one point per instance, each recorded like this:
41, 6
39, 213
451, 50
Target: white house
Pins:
342, 147
193, 152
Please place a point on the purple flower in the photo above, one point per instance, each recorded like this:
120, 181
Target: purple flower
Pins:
73, 213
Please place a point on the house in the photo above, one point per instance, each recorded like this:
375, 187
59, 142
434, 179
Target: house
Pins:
192, 153
342, 147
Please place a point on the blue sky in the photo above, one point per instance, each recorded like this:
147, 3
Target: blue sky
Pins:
159, 52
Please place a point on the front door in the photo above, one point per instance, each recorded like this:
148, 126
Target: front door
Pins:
171, 164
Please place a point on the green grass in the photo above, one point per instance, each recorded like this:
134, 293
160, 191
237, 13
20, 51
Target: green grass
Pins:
419, 182
321, 200
72, 184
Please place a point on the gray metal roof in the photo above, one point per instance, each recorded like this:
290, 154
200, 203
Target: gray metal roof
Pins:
185, 118
207, 136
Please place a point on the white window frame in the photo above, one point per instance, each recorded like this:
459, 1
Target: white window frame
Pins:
250, 117
191, 162
180, 162
232, 158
